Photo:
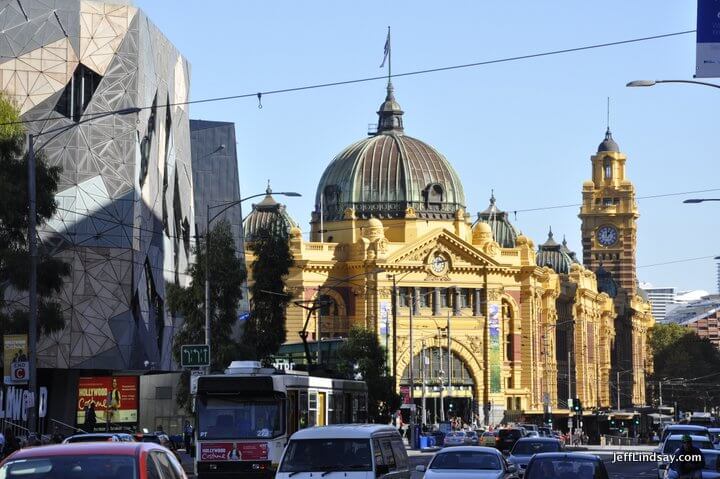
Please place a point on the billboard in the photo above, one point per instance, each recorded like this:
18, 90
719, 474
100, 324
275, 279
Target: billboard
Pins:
14, 357
707, 49
113, 397
495, 354
233, 451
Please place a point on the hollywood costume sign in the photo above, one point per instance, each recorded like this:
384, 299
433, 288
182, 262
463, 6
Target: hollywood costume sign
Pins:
15, 403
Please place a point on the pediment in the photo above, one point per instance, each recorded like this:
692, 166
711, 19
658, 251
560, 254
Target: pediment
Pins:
460, 252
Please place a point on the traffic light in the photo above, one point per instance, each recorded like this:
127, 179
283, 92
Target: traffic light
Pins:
637, 421
612, 422
549, 421
577, 405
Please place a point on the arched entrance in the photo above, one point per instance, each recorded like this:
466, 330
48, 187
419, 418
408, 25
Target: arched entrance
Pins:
448, 392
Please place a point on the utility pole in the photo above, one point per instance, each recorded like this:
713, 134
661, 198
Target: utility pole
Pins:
661, 393
617, 387
394, 326
569, 376
207, 284
412, 372
422, 375
32, 290
450, 362
442, 380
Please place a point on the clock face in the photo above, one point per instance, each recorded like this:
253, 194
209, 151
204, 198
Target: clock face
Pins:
438, 264
607, 235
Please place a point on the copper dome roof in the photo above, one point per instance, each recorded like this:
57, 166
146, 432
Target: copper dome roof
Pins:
267, 214
389, 175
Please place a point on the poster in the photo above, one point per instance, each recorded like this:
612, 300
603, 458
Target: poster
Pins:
113, 395
707, 49
233, 451
15, 352
495, 353
385, 318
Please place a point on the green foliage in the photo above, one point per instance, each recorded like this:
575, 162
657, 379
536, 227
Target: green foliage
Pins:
14, 256
678, 352
227, 275
265, 330
362, 354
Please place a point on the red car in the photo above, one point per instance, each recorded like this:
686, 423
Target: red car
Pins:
98, 460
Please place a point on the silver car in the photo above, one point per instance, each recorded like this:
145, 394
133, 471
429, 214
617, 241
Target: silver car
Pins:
710, 471
468, 462
455, 438
672, 443
527, 447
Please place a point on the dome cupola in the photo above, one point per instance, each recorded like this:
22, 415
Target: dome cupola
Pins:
608, 144
389, 175
503, 231
267, 214
554, 255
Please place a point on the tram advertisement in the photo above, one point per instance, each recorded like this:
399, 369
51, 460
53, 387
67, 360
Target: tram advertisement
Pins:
234, 451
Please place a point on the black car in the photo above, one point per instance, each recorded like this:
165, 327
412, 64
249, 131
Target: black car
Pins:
508, 437
562, 465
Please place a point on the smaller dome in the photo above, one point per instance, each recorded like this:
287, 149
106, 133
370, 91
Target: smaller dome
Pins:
504, 232
554, 255
268, 214
481, 233
608, 144
374, 230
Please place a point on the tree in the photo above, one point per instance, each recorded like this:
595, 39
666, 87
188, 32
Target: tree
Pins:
362, 354
678, 352
227, 275
14, 221
265, 330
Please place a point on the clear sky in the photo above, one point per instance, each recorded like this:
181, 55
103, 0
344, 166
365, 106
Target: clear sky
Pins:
526, 128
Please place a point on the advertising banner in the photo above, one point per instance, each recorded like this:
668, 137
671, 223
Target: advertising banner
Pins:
707, 50
113, 396
405, 394
385, 313
14, 357
233, 451
495, 356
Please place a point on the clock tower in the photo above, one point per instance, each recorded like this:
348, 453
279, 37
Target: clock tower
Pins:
609, 238
609, 220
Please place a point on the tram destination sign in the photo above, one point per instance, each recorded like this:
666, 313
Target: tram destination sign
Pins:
194, 355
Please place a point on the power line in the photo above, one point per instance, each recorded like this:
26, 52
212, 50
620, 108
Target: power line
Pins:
260, 94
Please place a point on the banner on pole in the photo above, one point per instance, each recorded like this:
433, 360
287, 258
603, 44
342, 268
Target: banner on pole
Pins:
15, 359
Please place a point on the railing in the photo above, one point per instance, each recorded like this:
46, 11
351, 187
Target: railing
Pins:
619, 440
72, 428
509, 253
13, 425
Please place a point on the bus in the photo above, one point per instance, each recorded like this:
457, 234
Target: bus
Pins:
243, 418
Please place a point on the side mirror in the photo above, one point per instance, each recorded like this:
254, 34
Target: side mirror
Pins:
420, 468
381, 470
512, 468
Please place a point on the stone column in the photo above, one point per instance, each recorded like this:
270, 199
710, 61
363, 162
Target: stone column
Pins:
436, 302
456, 302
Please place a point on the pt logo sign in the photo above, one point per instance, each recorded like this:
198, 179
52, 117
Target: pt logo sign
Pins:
19, 372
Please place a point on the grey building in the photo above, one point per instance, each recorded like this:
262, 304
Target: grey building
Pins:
125, 217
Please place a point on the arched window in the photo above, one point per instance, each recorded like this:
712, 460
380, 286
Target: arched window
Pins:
434, 196
607, 168
332, 317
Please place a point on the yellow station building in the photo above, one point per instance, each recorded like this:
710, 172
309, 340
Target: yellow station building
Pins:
528, 326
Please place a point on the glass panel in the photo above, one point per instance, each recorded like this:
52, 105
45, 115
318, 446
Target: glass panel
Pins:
466, 460
229, 418
105, 466
308, 455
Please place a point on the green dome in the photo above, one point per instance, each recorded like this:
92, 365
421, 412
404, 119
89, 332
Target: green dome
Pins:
384, 175
267, 214
555, 256
504, 233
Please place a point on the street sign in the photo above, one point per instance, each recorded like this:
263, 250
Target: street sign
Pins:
194, 375
194, 355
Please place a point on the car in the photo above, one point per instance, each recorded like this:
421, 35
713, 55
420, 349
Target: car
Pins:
106, 460
355, 451
466, 462
545, 432
710, 471
529, 427
680, 429
672, 443
471, 438
508, 437
454, 438
527, 447
92, 437
489, 438
565, 465
715, 435
532, 434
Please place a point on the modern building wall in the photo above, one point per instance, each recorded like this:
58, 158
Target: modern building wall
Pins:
125, 201
661, 299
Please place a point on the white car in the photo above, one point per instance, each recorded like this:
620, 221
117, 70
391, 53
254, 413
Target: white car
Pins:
468, 462
455, 438
673, 442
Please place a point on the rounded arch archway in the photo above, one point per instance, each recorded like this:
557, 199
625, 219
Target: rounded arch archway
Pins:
331, 315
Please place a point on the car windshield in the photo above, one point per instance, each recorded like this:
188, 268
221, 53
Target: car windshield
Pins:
489, 434
680, 432
230, 418
466, 460
672, 445
89, 438
305, 455
528, 448
513, 433
63, 467
574, 467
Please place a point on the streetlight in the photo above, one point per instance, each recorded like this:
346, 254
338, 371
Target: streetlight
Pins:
645, 83
700, 200
32, 247
209, 219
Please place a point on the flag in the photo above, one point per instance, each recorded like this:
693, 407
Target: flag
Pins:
387, 49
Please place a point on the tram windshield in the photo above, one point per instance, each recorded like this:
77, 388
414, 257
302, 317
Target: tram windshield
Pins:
236, 418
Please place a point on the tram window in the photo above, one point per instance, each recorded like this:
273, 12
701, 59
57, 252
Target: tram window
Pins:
223, 418
312, 407
303, 409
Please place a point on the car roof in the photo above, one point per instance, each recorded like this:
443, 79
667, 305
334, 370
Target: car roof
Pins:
343, 431
694, 437
691, 427
538, 439
565, 455
95, 434
490, 450
85, 449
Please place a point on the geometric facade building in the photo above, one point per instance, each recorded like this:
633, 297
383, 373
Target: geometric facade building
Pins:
476, 314
125, 203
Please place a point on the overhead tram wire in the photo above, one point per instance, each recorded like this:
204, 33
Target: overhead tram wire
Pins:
261, 94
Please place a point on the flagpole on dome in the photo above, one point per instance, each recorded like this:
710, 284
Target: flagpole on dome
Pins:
387, 55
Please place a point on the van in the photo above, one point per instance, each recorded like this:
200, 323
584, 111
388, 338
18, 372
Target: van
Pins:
359, 451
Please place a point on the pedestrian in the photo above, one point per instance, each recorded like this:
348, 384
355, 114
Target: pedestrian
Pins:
2, 444
188, 432
688, 460
90, 418
12, 443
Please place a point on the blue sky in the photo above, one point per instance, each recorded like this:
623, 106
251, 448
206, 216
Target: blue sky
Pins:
526, 129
